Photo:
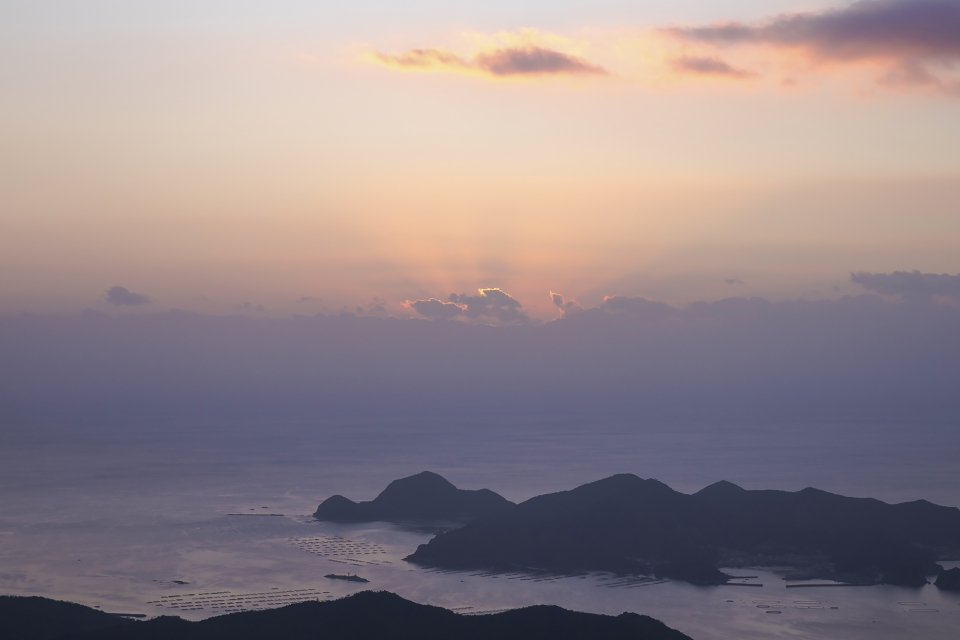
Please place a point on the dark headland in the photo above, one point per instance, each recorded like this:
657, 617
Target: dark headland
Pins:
949, 580
34, 618
425, 497
625, 524
367, 615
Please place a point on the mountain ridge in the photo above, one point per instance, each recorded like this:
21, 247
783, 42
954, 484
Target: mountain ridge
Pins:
626, 524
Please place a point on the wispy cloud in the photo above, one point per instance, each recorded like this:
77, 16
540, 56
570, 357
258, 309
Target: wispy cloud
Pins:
914, 42
422, 59
528, 53
510, 61
709, 66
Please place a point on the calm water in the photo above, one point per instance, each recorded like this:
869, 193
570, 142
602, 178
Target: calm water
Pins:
113, 516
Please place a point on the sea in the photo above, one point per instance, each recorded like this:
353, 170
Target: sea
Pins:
200, 518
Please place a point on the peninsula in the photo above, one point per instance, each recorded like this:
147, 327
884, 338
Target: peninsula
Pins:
424, 497
625, 524
949, 580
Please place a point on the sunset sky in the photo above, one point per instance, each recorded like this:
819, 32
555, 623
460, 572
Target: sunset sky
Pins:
255, 254
305, 157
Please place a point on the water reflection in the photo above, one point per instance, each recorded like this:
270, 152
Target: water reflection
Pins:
230, 564
136, 520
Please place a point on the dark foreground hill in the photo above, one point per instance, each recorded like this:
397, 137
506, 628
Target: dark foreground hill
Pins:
364, 616
424, 497
626, 524
33, 618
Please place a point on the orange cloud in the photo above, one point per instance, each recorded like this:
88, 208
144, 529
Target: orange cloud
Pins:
515, 60
422, 59
709, 66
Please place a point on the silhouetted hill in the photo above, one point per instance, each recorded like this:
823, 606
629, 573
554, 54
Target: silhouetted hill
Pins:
424, 497
377, 615
34, 618
629, 525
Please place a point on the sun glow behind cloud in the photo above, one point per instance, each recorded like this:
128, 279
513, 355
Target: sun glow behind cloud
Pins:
272, 167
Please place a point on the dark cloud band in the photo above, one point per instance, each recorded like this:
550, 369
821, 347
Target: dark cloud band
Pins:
917, 40
870, 28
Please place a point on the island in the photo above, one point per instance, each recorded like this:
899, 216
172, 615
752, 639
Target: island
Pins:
348, 577
367, 615
424, 497
628, 525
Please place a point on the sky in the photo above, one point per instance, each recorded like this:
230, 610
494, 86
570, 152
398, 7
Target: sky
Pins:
303, 157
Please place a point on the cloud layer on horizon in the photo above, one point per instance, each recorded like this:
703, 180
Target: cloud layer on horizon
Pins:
859, 357
709, 66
